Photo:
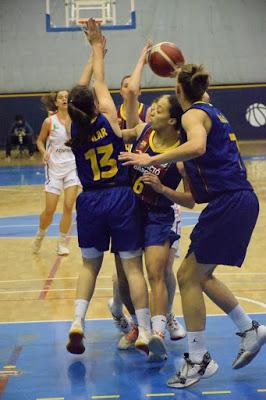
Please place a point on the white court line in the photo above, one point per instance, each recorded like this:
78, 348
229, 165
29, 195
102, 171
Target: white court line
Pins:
102, 288
241, 273
258, 303
43, 290
22, 226
104, 319
109, 276
44, 279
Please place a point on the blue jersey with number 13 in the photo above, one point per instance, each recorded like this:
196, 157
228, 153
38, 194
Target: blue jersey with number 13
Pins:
97, 159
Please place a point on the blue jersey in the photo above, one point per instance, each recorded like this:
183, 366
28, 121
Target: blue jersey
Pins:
97, 160
167, 173
221, 168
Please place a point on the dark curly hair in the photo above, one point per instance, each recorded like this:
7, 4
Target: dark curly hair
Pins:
82, 111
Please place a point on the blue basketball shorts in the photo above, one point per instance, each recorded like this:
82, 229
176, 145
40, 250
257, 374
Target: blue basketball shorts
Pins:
224, 229
109, 214
157, 226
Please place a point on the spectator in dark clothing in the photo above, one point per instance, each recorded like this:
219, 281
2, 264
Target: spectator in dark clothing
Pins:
20, 134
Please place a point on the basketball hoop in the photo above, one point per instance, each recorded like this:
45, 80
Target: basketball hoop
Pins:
82, 21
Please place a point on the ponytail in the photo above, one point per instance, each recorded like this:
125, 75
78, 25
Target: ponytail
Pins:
194, 81
81, 109
48, 102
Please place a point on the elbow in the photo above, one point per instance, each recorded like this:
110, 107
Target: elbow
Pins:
200, 149
188, 203
133, 91
191, 204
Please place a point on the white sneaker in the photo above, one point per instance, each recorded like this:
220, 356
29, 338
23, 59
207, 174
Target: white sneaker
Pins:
128, 341
142, 342
156, 358
62, 249
76, 336
191, 373
157, 347
122, 323
36, 245
174, 328
251, 342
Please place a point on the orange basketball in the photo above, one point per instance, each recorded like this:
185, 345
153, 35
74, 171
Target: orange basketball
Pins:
164, 57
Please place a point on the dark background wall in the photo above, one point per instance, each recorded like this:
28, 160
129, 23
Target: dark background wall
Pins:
232, 101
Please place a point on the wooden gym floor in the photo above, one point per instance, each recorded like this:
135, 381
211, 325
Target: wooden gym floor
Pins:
42, 287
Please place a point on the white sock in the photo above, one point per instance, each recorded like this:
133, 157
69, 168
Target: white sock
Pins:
41, 232
196, 345
62, 235
240, 318
144, 318
158, 323
81, 307
170, 314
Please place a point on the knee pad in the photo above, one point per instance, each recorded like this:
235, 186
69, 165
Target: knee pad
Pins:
130, 254
90, 252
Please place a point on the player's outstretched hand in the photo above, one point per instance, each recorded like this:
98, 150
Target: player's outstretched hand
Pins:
141, 159
145, 52
93, 32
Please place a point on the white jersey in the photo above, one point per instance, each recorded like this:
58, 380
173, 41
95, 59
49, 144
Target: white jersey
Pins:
61, 160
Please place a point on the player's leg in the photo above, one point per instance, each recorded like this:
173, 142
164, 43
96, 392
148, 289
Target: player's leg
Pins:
125, 223
121, 295
70, 195
174, 328
46, 217
92, 261
93, 238
156, 258
253, 334
133, 269
198, 363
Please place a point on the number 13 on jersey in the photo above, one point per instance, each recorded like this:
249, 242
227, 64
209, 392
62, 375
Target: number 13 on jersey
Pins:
105, 162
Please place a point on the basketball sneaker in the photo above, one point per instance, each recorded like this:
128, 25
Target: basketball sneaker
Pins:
122, 323
190, 372
174, 328
128, 341
156, 357
142, 342
36, 245
157, 346
76, 336
251, 341
62, 249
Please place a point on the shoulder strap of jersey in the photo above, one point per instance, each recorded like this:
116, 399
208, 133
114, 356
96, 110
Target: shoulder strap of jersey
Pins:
144, 140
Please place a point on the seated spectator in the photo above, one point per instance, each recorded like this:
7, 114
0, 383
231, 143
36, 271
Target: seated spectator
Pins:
20, 134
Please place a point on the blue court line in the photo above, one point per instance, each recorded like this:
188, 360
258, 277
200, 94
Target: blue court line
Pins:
26, 175
254, 158
27, 225
44, 369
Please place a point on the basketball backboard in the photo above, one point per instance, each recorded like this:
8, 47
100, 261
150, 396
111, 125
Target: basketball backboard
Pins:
69, 15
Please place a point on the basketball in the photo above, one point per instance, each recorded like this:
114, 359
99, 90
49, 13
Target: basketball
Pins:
164, 57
